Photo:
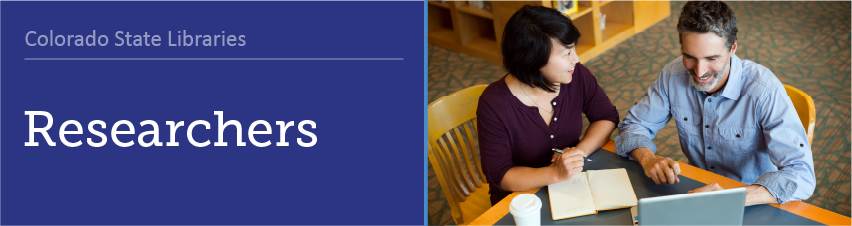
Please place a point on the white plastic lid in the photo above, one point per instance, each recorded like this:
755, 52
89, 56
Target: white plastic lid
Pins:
524, 204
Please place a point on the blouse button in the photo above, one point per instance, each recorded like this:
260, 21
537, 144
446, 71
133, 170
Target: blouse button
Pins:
554, 119
554, 103
551, 136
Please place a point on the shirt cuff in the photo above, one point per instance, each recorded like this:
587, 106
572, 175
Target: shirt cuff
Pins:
497, 181
625, 143
778, 185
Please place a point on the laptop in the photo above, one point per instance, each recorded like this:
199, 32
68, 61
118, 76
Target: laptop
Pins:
724, 207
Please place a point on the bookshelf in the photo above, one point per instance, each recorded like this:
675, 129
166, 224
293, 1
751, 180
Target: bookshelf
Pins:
457, 26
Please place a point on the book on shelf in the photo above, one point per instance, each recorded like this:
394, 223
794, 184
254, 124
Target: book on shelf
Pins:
566, 7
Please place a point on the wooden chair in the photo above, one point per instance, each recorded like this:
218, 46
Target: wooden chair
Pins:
804, 105
454, 157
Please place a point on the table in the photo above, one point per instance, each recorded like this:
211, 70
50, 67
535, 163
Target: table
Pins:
790, 213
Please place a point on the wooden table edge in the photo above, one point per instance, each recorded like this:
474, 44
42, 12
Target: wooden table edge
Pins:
823, 216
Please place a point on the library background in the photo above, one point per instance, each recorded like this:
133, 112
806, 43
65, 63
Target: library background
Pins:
625, 44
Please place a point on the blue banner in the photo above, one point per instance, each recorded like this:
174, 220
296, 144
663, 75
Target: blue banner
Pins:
144, 113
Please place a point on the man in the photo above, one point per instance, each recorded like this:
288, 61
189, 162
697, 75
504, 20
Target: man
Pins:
733, 116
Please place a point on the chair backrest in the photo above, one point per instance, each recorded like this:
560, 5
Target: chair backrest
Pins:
455, 155
804, 105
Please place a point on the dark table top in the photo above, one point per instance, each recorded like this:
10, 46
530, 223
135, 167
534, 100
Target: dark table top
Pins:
645, 187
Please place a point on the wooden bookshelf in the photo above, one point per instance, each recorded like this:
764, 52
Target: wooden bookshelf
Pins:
457, 26
582, 10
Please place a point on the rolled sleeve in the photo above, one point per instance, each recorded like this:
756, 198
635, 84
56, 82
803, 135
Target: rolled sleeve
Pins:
628, 142
779, 186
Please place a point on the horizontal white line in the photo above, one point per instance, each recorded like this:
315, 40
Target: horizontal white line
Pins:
213, 58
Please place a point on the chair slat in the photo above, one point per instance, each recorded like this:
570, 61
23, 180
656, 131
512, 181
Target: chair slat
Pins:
449, 175
475, 150
467, 159
447, 172
440, 171
453, 173
476, 131
439, 165
474, 125
459, 191
460, 163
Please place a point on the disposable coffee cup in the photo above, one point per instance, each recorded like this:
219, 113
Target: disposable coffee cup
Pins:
526, 209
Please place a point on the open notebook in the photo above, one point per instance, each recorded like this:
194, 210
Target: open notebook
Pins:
591, 191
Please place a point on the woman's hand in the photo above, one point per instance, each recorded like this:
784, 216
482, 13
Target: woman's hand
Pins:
567, 164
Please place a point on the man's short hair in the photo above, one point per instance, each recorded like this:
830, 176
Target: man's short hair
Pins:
708, 16
526, 43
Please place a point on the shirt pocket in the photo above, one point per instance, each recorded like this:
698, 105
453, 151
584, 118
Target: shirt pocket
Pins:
687, 122
738, 139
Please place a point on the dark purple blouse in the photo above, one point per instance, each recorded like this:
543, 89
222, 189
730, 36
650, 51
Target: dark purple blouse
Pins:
514, 134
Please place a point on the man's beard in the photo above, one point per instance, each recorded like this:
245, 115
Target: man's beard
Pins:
705, 87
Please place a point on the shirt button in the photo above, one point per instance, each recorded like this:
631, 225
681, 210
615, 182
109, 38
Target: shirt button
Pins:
710, 100
554, 103
554, 119
551, 136
712, 167
706, 126
801, 145
685, 119
710, 148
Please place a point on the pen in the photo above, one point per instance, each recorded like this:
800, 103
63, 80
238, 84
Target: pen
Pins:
561, 152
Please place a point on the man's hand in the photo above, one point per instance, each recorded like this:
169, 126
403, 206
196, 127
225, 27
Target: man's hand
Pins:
662, 170
710, 187
567, 164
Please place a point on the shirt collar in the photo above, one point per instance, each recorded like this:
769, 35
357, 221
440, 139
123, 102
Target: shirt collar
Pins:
734, 85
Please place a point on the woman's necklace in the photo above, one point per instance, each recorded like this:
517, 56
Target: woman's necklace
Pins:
536, 104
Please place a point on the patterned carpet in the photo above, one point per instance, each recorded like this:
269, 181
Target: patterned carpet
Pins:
806, 44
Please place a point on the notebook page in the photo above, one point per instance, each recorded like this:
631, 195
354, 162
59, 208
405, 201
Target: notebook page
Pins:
571, 198
611, 189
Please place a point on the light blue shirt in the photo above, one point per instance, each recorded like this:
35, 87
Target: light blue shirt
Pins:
749, 131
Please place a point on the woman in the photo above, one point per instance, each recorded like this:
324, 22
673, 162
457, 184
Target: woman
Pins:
535, 110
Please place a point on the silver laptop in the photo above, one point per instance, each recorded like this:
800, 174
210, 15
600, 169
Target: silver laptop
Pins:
724, 207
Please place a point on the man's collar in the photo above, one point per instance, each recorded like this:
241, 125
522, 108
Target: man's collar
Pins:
734, 85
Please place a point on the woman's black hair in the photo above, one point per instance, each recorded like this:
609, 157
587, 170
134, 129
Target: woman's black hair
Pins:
526, 43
